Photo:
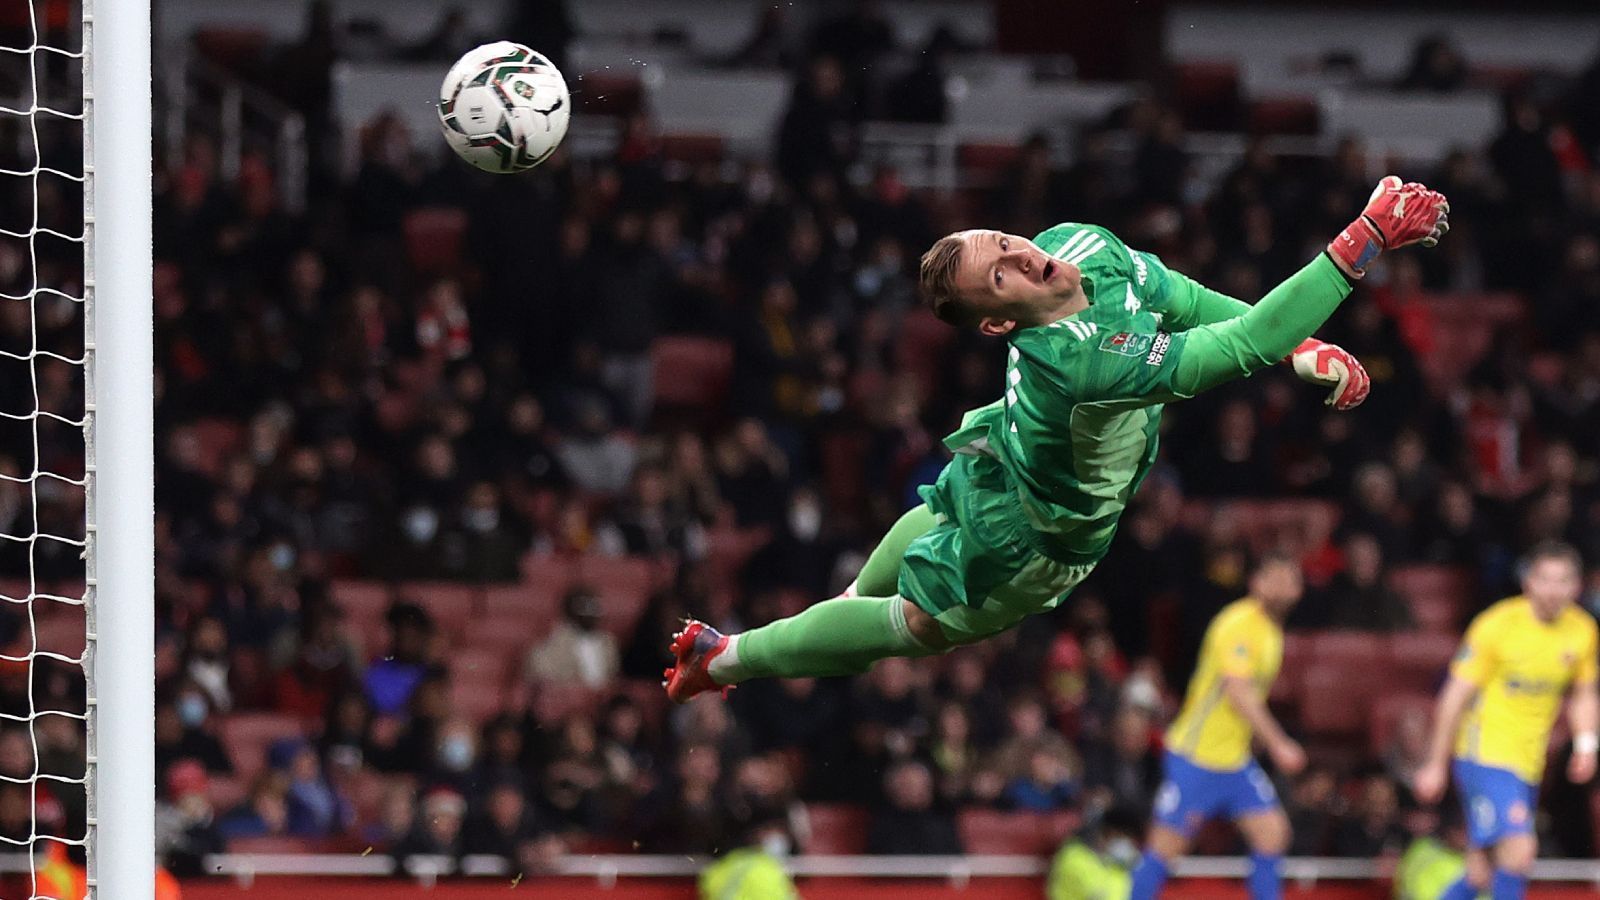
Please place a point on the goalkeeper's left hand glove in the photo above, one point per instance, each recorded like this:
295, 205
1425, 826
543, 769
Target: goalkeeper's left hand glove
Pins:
1329, 364
1398, 214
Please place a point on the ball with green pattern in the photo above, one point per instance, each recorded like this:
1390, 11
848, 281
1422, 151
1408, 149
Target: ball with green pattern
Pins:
504, 107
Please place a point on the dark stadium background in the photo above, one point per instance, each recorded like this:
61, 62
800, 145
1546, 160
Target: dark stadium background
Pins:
443, 457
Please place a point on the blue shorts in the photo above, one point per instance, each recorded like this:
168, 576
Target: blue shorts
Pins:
1191, 794
1497, 803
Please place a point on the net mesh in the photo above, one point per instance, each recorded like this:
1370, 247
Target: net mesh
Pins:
44, 824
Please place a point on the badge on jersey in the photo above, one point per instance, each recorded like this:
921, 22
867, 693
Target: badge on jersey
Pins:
1126, 343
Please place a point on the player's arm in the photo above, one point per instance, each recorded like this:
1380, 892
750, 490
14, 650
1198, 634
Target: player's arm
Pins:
1241, 646
1209, 355
1186, 303
1286, 753
1472, 668
1583, 716
1396, 215
1429, 781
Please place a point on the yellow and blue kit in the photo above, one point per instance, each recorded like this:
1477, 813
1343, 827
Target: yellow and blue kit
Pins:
1208, 767
1522, 666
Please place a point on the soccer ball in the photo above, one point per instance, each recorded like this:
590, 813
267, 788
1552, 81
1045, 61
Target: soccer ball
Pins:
503, 107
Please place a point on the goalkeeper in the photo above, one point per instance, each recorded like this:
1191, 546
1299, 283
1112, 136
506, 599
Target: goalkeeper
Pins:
1101, 336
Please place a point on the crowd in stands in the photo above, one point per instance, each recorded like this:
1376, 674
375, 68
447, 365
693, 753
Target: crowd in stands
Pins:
338, 400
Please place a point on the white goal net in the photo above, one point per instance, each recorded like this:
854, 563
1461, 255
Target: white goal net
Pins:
54, 580
43, 710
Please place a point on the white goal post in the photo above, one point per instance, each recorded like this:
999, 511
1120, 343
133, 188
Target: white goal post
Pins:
118, 429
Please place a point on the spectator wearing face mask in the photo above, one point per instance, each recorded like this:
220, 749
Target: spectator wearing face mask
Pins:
577, 650
183, 732
1096, 864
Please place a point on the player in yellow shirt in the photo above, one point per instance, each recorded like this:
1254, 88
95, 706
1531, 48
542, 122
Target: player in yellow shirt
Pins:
1209, 770
1520, 657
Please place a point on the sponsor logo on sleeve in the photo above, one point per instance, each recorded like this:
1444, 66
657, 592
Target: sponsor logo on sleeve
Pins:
1126, 343
1158, 349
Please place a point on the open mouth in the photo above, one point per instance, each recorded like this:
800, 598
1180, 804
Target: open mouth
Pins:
1049, 270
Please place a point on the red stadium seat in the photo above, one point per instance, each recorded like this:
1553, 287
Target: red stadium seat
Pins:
1349, 650
477, 699
450, 604
1275, 524
434, 236
1207, 93
362, 601
692, 372
1422, 658
553, 702
728, 549
1285, 115
482, 665
1334, 698
607, 94
837, 828
693, 147
921, 348
988, 831
225, 792
248, 735
1437, 595
1296, 658
624, 587
1387, 711
273, 845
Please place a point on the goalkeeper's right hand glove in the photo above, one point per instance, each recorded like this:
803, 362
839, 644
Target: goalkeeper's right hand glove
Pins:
1397, 214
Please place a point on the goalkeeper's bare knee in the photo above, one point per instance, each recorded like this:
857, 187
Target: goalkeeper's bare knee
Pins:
925, 628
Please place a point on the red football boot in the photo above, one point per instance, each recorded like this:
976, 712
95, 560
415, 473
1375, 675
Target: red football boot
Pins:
694, 647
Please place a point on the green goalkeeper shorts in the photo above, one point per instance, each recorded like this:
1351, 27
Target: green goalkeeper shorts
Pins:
979, 570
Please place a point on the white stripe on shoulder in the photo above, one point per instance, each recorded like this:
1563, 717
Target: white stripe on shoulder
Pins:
1087, 250
1072, 243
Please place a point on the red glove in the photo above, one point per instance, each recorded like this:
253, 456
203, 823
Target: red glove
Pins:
1397, 215
1330, 364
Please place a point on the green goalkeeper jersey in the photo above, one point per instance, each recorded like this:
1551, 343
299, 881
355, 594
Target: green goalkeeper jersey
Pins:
1077, 428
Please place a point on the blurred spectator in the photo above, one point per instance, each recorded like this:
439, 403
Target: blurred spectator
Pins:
391, 679
265, 813
1313, 810
577, 650
208, 662
769, 44
504, 826
691, 808
1125, 770
315, 809
184, 731
1357, 599
1028, 734
1371, 830
910, 822
186, 828
1051, 782
593, 454
1408, 746
397, 816
1436, 65
817, 134
438, 829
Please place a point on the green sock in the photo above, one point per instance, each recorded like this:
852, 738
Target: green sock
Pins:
880, 577
842, 636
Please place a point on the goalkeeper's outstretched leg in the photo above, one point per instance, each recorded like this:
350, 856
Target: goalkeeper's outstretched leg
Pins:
841, 636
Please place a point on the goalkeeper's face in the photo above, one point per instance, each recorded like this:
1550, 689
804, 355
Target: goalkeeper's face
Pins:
1007, 282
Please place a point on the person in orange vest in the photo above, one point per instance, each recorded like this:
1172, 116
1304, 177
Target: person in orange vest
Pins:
62, 876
